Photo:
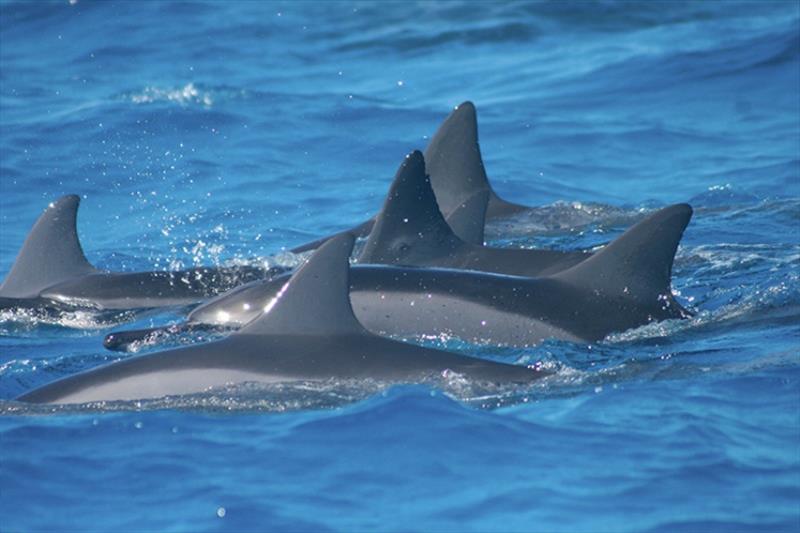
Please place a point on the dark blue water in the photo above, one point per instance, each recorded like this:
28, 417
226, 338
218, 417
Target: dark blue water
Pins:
209, 133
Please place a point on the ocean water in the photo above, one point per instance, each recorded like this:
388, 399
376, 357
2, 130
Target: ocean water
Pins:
201, 133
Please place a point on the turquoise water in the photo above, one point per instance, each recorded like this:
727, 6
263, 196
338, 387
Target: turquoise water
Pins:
211, 133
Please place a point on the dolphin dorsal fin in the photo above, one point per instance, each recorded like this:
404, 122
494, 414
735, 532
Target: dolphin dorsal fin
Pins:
638, 264
454, 164
468, 220
409, 228
51, 253
316, 299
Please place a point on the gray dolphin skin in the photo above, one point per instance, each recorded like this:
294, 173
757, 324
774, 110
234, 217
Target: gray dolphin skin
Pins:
456, 167
623, 286
410, 230
458, 178
51, 269
308, 333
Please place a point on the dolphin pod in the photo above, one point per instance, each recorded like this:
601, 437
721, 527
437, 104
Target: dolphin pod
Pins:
458, 177
424, 270
51, 268
624, 285
309, 334
457, 173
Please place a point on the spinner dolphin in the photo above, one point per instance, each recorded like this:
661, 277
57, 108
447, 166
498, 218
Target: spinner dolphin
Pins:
51, 268
410, 230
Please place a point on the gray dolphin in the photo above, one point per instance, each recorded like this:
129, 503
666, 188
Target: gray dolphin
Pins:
410, 230
51, 268
622, 286
458, 177
307, 333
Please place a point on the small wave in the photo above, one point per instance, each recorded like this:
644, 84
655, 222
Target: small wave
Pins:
781, 298
16, 320
186, 95
169, 337
411, 38
561, 217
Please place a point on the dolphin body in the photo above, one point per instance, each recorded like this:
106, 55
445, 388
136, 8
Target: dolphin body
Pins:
52, 271
622, 286
458, 177
308, 333
411, 230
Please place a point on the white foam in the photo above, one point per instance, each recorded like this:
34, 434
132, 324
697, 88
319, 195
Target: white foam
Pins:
188, 94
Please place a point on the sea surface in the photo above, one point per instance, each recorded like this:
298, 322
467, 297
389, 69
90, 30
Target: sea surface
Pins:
203, 133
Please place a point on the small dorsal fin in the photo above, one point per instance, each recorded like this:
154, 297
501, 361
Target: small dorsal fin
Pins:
51, 253
638, 264
409, 227
316, 299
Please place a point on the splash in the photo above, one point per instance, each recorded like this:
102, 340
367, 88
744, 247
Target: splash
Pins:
186, 95
563, 217
13, 321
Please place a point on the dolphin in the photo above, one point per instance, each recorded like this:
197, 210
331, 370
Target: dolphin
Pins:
458, 177
622, 286
307, 333
52, 269
410, 230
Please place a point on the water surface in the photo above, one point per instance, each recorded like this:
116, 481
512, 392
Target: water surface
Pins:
212, 133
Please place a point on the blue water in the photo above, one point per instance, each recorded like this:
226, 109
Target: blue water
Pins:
211, 133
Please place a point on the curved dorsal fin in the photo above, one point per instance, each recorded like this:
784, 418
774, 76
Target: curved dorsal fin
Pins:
638, 264
453, 160
316, 299
409, 227
51, 253
455, 165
